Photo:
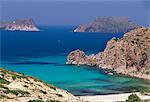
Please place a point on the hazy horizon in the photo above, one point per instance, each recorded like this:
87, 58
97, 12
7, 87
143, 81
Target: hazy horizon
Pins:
49, 12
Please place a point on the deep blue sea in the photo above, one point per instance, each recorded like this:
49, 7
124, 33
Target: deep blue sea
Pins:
43, 55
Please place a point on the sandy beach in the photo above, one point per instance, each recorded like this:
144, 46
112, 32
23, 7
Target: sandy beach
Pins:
112, 97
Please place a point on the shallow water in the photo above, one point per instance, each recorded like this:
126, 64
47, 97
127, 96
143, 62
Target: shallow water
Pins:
43, 55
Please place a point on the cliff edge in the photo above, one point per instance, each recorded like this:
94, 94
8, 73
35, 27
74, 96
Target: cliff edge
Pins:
129, 55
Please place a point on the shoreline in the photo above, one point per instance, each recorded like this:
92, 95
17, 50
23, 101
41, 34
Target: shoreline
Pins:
112, 97
110, 71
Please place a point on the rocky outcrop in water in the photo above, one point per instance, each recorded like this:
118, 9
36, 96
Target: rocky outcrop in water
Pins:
19, 25
16, 87
129, 55
108, 25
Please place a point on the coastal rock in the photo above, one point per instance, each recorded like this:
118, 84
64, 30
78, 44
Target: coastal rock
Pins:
129, 55
16, 87
108, 25
19, 25
77, 57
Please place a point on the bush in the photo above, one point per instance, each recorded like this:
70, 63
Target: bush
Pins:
15, 76
3, 81
144, 90
116, 39
16, 92
133, 98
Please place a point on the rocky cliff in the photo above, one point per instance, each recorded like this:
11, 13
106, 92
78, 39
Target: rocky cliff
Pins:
16, 87
129, 55
19, 25
108, 25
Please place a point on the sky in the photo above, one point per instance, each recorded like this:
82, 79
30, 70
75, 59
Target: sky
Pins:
74, 12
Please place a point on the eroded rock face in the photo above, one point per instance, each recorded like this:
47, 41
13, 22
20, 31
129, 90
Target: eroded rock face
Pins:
16, 87
108, 25
19, 25
129, 55
77, 57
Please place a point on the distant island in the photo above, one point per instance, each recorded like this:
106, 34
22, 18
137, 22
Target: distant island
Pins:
129, 55
108, 25
17, 87
19, 25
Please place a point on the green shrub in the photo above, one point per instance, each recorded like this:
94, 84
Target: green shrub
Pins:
116, 39
144, 90
133, 98
15, 76
112, 47
4, 81
16, 92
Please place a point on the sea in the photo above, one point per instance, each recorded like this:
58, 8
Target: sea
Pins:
43, 55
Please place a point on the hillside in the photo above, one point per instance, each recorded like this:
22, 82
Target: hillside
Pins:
16, 87
129, 55
19, 25
108, 25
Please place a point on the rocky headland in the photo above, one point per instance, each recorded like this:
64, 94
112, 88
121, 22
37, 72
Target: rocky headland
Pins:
108, 25
19, 25
129, 55
16, 87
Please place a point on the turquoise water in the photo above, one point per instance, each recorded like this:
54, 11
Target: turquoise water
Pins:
43, 55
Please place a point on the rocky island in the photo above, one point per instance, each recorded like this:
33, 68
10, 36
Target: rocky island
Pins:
16, 87
108, 25
129, 55
19, 25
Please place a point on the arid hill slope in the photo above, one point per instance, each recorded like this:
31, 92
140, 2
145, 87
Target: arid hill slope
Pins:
16, 87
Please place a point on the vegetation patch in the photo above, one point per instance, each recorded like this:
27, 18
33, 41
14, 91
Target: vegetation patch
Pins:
4, 81
116, 39
42, 91
3, 87
17, 92
15, 76
144, 91
112, 47
133, 98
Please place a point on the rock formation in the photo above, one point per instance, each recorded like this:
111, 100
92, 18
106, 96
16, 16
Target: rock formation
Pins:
19, 25
108, 25
16, 87
129, 55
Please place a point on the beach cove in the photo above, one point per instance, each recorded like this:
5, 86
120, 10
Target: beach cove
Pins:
49, 58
